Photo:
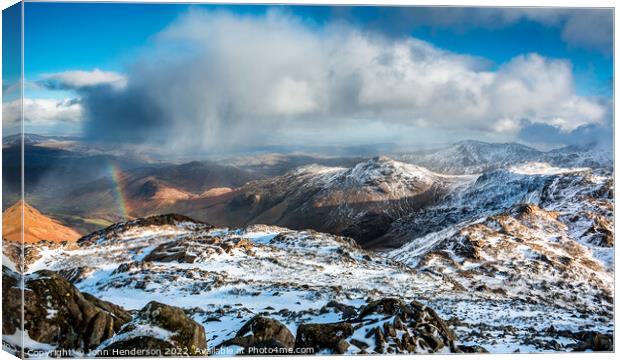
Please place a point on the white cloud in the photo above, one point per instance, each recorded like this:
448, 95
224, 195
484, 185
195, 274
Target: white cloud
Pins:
591, 29
77, 79
41, 111
246, 76
294, 97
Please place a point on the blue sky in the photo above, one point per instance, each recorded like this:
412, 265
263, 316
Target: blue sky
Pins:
114, 38
63, 36
11, 47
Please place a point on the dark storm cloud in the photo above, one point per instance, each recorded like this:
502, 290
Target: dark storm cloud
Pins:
129, 117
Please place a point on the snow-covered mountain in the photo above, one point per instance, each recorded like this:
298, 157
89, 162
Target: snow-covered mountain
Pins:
33, 139
360, 201
584, 194
474, 157
593, 156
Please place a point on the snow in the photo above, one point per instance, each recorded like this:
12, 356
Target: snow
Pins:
261, 237
21, 339
8, 262
51, 313
537, 168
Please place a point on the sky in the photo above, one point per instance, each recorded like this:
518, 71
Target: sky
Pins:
205, 77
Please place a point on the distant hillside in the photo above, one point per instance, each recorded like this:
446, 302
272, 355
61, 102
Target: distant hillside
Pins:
147, 191
474, 157
37, 227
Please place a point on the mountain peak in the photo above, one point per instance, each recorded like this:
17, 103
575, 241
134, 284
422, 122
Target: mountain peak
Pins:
37, 226
383, 166
382, 159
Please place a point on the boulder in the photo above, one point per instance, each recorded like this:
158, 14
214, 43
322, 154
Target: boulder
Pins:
347, 311
187, 332
57, 313
429, 315
387, 306
591, 340
171, 252
324, 336
182, 336
138, 346
262, 332
470, 349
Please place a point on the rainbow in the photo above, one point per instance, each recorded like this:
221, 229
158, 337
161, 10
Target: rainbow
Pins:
117, 177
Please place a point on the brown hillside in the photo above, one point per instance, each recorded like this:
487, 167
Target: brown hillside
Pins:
38, 227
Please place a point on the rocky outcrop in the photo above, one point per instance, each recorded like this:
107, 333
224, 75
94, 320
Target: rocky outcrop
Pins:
383, 326
585, 340
594, 341
187, 251
159, 326
405, 328
57, 313
262, 332
76, 274
113, 230
601, 232
11, 301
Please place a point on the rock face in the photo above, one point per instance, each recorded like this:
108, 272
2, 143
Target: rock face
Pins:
77, 274
262, 332
58, 314
162, 327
